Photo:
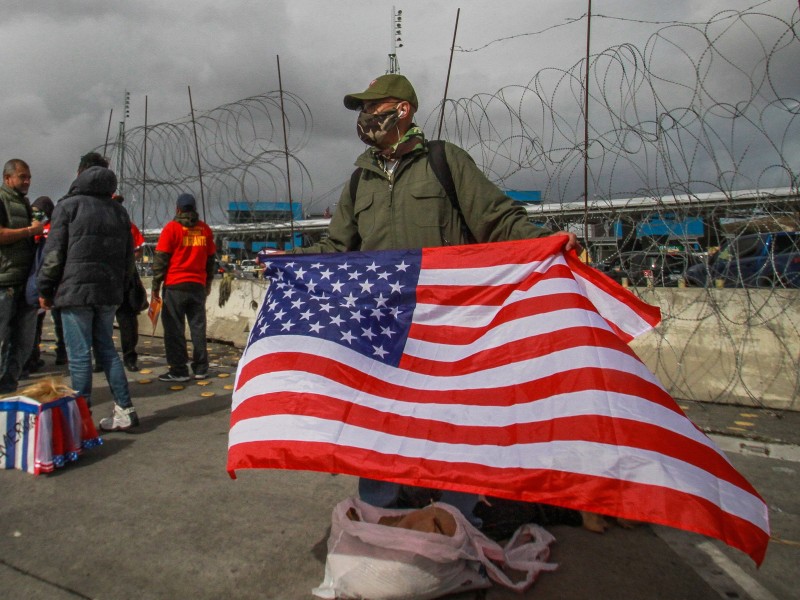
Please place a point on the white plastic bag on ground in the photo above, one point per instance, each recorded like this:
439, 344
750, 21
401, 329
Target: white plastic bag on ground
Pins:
367, 560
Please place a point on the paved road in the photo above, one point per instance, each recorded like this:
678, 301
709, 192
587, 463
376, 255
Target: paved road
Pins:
154, 515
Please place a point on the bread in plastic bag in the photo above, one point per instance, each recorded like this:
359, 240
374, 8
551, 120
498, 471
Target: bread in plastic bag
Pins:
368, 560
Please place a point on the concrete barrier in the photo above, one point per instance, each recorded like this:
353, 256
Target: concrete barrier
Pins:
732, 346
729, 346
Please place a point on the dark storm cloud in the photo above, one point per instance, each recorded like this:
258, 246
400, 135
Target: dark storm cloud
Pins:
74, 60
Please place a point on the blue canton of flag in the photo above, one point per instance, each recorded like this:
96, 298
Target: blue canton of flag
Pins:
351, 299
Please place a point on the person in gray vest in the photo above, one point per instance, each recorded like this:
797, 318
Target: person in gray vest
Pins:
17, 248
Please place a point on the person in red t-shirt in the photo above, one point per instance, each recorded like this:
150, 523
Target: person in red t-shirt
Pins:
184, 264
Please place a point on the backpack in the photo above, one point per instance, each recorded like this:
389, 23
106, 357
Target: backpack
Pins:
31, 286
438, 162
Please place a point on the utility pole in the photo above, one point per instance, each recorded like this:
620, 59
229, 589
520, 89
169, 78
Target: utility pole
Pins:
121, 141
397, 21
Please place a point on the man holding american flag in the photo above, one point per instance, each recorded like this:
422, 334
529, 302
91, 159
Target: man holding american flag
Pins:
387, 211
492, 368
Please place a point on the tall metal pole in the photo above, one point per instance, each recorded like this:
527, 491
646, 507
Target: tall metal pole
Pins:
197, 153
108, 131
586, 132
121, 156
447, 82
286, 155
144, 162
397, 25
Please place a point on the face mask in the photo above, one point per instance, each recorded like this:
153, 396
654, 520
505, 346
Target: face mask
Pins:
372, 129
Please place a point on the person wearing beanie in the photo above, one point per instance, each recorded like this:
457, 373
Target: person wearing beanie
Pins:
184, 264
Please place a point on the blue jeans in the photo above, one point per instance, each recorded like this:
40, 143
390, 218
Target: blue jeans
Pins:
17, 332
84, 325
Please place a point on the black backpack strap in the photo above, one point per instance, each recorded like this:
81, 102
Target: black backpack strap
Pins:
441, 169
438, 162
354, 179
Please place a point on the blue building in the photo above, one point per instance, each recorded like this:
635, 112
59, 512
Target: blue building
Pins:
260, 212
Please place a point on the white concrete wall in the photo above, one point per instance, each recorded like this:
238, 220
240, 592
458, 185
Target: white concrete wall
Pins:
733, 346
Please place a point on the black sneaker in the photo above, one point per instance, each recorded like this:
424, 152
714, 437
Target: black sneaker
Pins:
132, 367
171, 377
200, 375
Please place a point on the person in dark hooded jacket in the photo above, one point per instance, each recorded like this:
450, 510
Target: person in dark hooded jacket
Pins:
84, 274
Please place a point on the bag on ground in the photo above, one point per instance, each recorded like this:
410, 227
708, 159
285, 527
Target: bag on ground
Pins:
392, 554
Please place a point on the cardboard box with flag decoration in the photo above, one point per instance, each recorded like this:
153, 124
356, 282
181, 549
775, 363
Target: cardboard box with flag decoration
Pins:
39, 437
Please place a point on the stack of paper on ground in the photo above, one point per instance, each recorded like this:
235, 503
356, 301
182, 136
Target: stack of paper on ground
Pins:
501, 369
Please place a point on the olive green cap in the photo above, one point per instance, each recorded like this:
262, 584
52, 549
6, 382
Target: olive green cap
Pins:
385, 86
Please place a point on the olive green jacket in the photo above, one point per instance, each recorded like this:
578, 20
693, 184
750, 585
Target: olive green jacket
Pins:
411, 209
15, 258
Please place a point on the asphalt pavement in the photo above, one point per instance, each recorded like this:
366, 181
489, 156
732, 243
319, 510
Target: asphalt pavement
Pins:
153, 514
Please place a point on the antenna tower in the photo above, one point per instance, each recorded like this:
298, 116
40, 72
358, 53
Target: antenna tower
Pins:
397, 41
121, 141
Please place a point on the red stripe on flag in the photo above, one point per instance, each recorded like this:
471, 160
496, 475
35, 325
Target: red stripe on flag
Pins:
477, 256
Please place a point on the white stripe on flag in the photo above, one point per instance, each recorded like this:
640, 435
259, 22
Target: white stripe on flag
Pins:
624, 316
487, 276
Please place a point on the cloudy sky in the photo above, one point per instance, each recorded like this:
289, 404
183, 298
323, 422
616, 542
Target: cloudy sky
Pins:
67, 63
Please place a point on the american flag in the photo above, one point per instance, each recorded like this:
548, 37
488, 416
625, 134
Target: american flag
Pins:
499, 369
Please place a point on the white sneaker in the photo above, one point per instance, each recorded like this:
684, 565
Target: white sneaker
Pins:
121, 419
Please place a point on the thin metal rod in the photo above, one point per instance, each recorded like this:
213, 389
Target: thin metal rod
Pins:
144, 162
108, 131
586, 131
197, 152
286, 155
447, 81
